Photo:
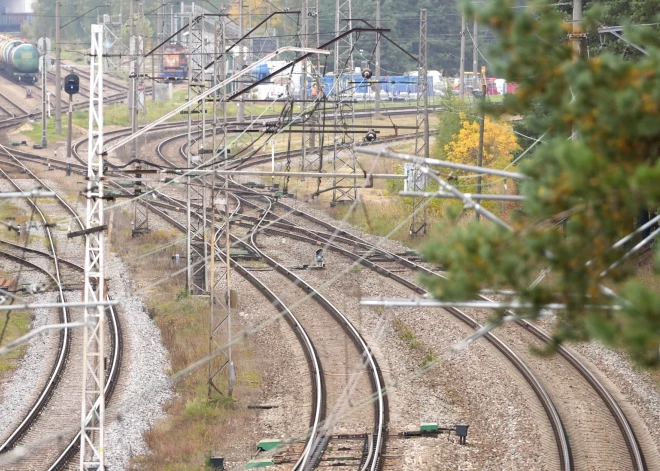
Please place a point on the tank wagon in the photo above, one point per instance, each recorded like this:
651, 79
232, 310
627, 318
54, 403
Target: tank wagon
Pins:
19, 61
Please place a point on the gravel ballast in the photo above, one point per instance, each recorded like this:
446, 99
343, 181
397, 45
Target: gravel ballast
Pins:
144, 386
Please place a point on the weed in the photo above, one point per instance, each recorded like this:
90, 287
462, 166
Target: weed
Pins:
12, 326
199, 408
407, 335
182, 295
251, 379
428, 360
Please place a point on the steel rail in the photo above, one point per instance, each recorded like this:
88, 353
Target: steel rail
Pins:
630, 438
374, 370
626, 429
63, 350
40, 252
555, 427
561, 438
632, 443
65, 336
313, 361
411, 265
116, 339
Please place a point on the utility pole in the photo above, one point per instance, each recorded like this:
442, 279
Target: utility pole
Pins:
92, 418
131, 46
58, 71
377, 84
44, 103
482, 126
344, 189
240, 113
44, 50
309, 29
303, 85
196, 245
419, 178
68, 138
475, 52
221, 325
136, 77
461, 73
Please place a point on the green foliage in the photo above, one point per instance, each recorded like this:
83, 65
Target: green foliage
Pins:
407, 335
450, 122
202, 408
600, 182
12, 326
394, 186
428, 360
182, 295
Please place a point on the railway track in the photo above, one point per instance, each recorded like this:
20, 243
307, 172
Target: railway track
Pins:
557, 426
329, 236
11, 108
318, 387
287, 230
51, 413
318, 437
375, 440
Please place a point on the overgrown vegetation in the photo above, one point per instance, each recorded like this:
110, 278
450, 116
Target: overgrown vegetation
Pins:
421, 352
13, 325
196, 425
601, 182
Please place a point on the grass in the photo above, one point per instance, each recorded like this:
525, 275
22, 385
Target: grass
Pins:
195, 424
406, 335
12, 326
420, 352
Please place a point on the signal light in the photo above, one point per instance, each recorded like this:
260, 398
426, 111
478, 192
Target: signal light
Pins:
366, 74
72, 84
371, 136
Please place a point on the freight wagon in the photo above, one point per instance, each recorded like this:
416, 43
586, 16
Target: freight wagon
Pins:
19, 61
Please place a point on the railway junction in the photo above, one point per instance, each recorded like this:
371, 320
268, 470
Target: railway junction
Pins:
196, 291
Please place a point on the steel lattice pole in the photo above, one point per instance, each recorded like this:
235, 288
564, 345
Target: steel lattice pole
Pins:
138, 104
196, 248
309, 38
344, 189
220, 327
419, 179
93, 381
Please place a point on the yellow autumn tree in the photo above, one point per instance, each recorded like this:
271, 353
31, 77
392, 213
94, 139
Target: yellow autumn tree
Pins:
259, 10
499, 143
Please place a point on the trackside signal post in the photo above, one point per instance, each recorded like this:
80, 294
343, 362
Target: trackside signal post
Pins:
71, 87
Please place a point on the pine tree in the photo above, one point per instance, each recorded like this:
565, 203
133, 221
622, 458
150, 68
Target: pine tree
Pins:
597, 183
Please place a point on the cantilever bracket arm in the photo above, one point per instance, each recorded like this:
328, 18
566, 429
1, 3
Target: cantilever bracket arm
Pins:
615, 30
210, 91
305, 56
388, 38
180, 30
296, 12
